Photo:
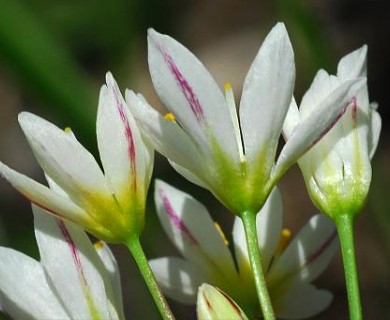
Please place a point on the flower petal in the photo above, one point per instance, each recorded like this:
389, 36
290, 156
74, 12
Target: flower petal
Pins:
301, 302
187, 89
292, 120
57, 204
267, 93
353, 65
307, 255
190, 176
374, 130
214, 304
122, 151
190, 227
315, 126
112, 270
178, 278
269, 226
24, 291
73, 266
167, 136
64, 159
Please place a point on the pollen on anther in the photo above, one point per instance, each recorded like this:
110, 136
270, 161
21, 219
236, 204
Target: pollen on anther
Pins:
218, 227
170, 117
98, 245
227, 86
284, 240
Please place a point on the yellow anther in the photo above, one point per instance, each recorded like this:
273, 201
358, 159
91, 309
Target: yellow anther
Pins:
284, 240
98, 245
68, 130
227, 86
218, 227
170, 117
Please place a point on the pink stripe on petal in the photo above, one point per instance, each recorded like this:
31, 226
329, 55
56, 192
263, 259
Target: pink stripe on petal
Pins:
79, 267
185, 87
331, 125
74, 252
354, 111
176, 221
129, 135
321, 249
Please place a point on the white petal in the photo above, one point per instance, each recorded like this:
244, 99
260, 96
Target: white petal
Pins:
314, 127
190, 176
178, 279
73, 266
121, 147
167, 136
292, 120
267, 94
214, 304
269, 226
307, 256
374, 131
302, 302
188, 90
353, 65
24, 291
63, 158
57, 204
112, 270
190, 227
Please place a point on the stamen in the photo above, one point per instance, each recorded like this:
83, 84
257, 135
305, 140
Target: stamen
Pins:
98, 245
284, 240
218, 227
170, 117
69, 132
229, 97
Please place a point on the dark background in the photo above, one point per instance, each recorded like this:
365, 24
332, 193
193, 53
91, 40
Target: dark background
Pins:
53, 59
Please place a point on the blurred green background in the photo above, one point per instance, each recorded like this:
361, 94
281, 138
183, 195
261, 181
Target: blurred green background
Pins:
53, 59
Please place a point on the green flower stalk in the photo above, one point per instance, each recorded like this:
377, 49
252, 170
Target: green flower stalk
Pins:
337, 170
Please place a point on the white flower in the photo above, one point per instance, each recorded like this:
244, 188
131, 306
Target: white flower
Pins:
214, 304
110, 205
73, 280
337, 169
290, 267
203, 136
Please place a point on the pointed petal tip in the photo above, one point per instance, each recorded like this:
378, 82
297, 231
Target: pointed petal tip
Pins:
151, 31
25, 117
153, 35
160, 185
280, 29
110, 79
130, 96
364, 48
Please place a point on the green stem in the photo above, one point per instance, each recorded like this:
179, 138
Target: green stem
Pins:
139, 256
344, 224
249, 221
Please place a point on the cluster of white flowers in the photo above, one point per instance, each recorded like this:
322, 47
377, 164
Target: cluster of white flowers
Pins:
232, 155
